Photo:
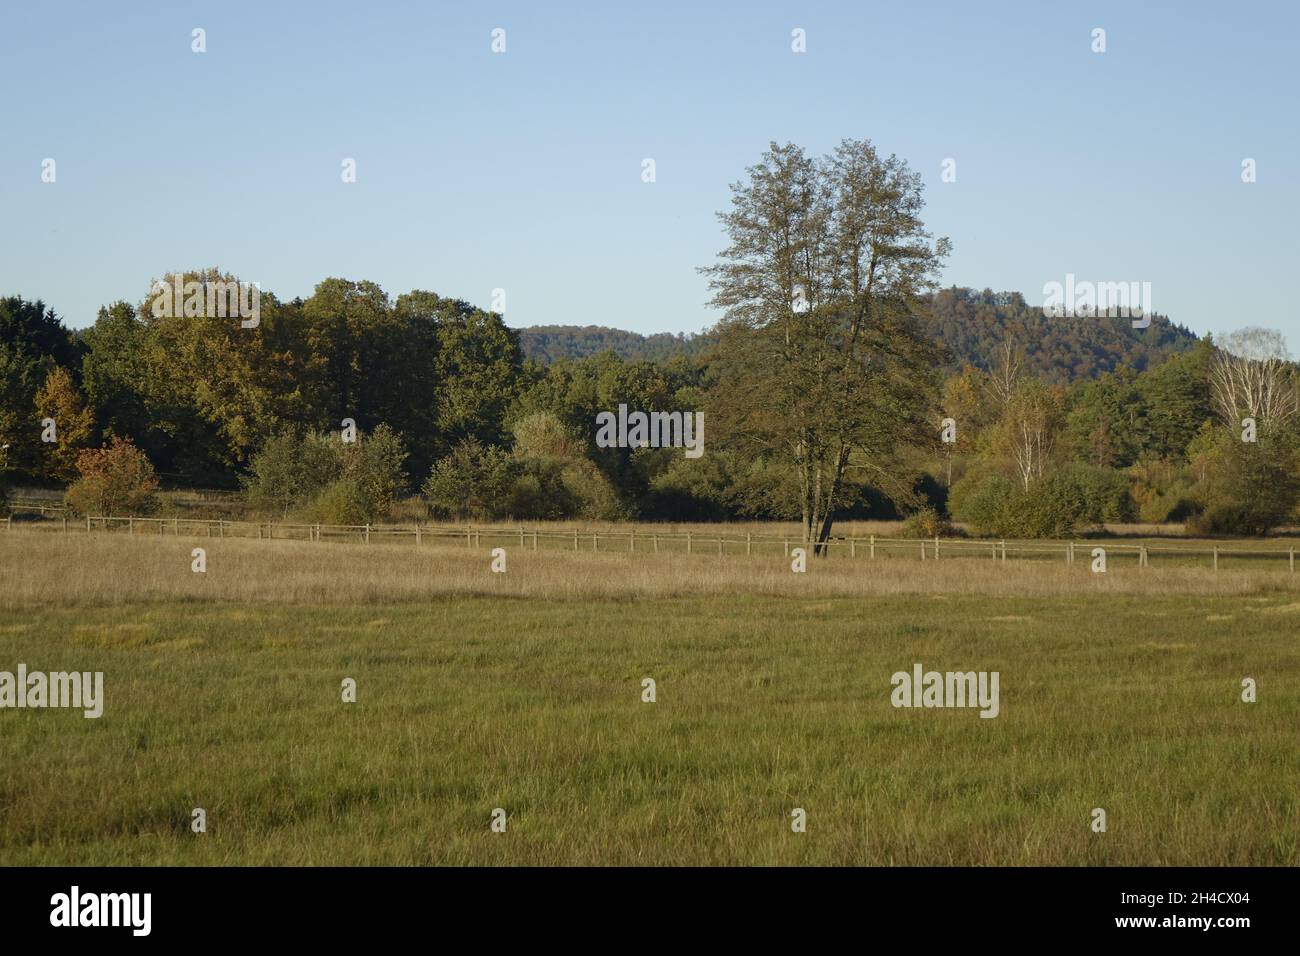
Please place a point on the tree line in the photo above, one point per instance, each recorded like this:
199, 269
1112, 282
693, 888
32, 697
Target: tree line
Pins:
831, 389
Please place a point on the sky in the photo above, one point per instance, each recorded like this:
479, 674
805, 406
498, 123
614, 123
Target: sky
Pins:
522, 170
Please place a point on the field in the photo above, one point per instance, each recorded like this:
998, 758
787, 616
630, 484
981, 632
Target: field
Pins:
523, 691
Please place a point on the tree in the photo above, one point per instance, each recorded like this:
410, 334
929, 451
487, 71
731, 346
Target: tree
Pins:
289, 471
374, 464
116, 480
1251, 377
819, 347
59, 399
473, 481
32, 341
1029, 427
1006, 373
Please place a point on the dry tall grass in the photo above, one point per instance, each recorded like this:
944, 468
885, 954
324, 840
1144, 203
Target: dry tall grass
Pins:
53, 569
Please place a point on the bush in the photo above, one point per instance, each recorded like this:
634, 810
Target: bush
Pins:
116, 480
1052, 507
985, 502
319, 475
1102, 493
1258, 486
289, 471
927, 523
341, 502
373, 464
474, 481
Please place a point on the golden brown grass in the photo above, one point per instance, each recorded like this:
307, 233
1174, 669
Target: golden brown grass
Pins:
42, 568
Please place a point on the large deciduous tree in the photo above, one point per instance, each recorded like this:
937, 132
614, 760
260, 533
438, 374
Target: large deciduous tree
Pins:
821, 361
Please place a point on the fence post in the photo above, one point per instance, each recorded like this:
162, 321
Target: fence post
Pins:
688, 542
786, 542
654, 539
853, 547
922, 549
521, 539
87, 524
873, 546
221, 528
417, 534
936, 547
367, 532
1004, 552
534, 540
719, 542
749, 542
575, 540
1216, 557
1291, 558
130, 525
632, 543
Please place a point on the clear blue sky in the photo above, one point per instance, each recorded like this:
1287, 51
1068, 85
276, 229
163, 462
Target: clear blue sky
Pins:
523, 170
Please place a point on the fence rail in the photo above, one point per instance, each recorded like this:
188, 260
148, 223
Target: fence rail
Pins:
719, 543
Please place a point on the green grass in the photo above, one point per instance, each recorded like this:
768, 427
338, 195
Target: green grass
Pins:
1131, 704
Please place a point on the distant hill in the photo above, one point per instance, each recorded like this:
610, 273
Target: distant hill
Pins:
971, 325
547, 343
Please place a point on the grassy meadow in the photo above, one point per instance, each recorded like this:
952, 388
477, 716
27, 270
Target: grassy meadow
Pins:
522, 691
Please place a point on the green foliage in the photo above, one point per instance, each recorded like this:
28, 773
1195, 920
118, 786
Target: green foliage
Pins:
343, 501
317, 474
473, 481
974, 326
33, 342
1103, 494
289, 471
553, 343
1053, 506
1255, 487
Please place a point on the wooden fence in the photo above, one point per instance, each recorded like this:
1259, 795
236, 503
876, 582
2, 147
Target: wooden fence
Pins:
718, 543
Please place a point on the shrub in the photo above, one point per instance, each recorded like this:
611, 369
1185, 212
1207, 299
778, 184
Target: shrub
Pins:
1102, 493
374, 464
1256, 491
289, 471
927, 523
474, 481
115, 480
362, 478
1052, 507
984, 502
341, 502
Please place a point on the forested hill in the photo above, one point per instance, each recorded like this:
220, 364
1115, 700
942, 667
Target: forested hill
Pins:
547, 343
972, 325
